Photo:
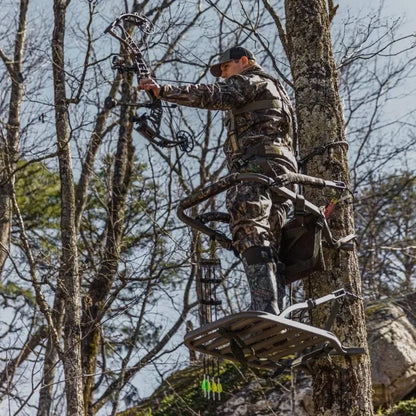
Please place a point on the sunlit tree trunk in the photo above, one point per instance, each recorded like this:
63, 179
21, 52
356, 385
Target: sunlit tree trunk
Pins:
102, 283
51, 359
9, 148
341, 385
69, 282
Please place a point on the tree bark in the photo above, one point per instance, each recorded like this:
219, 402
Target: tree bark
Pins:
341, 385
9, 150
101, 285
68, 280
51, 359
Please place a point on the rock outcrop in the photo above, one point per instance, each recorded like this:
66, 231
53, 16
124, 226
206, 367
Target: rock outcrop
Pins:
391, 330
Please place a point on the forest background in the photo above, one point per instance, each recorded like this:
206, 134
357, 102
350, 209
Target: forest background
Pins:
82, 194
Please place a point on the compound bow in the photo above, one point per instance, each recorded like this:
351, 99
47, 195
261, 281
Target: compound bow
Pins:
148, 125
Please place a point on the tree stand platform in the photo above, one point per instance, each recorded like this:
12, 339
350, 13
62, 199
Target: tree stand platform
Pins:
261, 340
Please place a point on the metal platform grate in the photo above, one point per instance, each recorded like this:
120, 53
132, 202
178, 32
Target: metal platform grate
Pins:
260, 340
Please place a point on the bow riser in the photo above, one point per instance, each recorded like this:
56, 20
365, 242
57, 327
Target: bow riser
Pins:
148, 124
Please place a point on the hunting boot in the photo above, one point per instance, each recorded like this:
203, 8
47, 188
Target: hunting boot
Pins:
282, 298
260, 266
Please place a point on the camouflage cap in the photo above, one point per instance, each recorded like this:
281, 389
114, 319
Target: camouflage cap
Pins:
236, 52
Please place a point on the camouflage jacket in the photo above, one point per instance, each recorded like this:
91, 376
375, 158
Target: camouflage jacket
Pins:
272, 127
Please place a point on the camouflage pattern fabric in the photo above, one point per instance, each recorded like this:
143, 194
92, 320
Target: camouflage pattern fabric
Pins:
257, 215
273, 125
267, 289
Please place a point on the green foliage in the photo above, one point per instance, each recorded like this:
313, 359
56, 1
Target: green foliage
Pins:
38, 195
403, 408
12, 290
181, 395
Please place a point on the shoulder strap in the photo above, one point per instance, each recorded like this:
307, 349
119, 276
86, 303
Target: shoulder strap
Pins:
287, 107
258, 105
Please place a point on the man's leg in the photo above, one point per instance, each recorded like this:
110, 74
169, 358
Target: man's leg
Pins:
279, 211
260, 266
249, 205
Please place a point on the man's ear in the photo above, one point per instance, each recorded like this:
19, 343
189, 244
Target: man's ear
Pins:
244, 60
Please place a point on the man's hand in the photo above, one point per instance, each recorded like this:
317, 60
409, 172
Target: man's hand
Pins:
150, 84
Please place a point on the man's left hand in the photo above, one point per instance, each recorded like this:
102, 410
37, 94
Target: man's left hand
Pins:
149, 84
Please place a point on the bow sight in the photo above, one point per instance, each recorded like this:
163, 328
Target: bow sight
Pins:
148, 125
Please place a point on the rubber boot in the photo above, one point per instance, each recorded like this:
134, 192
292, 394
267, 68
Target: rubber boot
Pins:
282, 297
260, 266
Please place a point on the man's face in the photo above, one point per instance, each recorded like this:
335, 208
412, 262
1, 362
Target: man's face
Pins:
231, 68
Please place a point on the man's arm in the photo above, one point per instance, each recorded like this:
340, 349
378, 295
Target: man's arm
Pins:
217, 96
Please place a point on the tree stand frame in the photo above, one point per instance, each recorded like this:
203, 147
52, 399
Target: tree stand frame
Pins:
258, 339
261, 340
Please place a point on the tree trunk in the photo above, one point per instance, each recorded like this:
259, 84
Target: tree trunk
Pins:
68, 280
341, 385
9, 150
51, 358
101, 285
5, 205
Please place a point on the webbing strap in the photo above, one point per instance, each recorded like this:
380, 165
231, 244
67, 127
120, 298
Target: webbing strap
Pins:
258, 105
232, 134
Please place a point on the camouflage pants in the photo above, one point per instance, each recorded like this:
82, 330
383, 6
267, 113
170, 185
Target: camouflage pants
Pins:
257, 214
267, 287
257, 217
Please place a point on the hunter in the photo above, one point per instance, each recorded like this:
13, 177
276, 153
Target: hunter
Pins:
260, 125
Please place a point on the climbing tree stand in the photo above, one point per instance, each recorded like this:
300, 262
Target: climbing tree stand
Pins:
262, 340
258, 339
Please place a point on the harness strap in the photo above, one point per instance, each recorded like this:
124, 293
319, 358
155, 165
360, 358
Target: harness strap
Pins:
258, 105
261, 152
232, 134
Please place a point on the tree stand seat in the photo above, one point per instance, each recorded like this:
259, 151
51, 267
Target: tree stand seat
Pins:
261, 340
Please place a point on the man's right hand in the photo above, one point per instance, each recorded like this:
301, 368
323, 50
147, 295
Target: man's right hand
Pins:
149, 84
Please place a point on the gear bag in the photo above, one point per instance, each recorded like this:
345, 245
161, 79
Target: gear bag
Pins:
301, 244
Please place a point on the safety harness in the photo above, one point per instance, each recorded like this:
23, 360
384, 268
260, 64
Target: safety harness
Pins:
258, 105
281, 103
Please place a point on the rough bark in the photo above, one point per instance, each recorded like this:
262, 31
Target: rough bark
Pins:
68, 281
342, 385
101, 285
9, 149
51, 358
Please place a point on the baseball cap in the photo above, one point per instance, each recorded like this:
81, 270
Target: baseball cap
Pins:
236, 52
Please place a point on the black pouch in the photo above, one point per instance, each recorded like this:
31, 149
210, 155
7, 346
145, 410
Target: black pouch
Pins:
301, 244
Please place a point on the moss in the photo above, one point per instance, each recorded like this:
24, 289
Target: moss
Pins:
181, 394
373, 308
403, 408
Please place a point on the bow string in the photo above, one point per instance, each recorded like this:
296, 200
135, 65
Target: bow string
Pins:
148, 124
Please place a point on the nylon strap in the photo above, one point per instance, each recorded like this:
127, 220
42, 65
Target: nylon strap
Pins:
232, 134
258, 105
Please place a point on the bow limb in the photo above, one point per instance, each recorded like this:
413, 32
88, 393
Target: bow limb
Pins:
149, 124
